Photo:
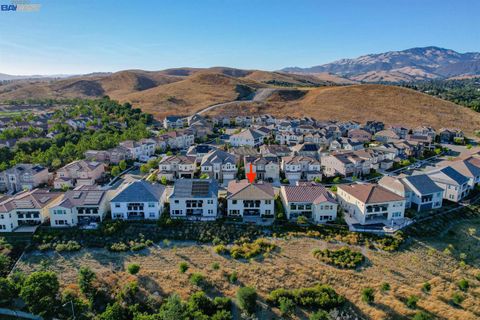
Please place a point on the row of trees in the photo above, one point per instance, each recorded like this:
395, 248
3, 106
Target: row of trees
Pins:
69, 145
465, 92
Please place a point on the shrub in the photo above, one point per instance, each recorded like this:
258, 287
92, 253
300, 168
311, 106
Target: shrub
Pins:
457, 298
319, 296
302, 220
215, 266
426, 287
247, 299
463, 284
85, 281
197, 279
233, 277
286, 306
222, 303
183, 267
421, 315
138, 246
133, 268
250, 250
412, 302
368, 295
118, 247
220, 249
385, 286
342, 258
68, 246
478, 276
319, 315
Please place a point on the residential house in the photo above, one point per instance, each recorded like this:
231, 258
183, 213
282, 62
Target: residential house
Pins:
346, 144
373, 126
176, 167
26, 209
266, 168
219, 165
140, 150
306, 150
275, 150
194, 199
370, 204
386, 136
174, 122
177, 139
113, 155
198, 151
470, 168
23, 176
250, 200
419, 191
248, 137
451, 135
345, 164
301, 168
310, 200
400, 131
82, 206
138, 200
79, 173
454, 184
288, 137
359, 135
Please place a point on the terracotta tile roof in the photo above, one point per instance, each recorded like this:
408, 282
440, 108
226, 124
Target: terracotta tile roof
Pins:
250, 191
370, 193
311, 193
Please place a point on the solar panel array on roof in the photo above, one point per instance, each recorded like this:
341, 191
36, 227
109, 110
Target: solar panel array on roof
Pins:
93, 197
200, 188
24, 203
44, 199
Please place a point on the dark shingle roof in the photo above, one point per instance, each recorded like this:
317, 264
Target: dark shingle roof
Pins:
195, 188
423, 184
140, 191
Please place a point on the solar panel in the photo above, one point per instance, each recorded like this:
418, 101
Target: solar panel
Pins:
24, 203
93, 197
77, 194
200, 188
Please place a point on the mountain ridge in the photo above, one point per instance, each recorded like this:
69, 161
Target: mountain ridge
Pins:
414, 64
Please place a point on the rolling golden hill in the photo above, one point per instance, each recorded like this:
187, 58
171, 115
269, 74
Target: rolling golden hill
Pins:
188, 90
391, 104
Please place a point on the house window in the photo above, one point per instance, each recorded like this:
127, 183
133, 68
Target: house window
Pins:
210, 211
268, 201
117, 205
234, 201
396, 215
267, 212
151, 214
210, 201
151, 204
176, 201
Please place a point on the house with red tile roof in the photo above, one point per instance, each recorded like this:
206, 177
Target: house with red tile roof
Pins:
310, 200
250, 200
370, 204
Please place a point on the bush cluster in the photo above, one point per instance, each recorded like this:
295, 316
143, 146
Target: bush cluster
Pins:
248, 250
342, 258
320, 296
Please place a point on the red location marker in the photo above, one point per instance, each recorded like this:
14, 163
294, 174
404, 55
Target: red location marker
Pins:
251, 175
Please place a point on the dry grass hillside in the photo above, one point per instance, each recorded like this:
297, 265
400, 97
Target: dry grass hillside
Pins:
187, 90
391, 104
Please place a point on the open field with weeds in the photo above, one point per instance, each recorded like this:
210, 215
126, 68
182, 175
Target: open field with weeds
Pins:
441, 259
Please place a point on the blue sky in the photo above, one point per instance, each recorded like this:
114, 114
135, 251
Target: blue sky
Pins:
81, 36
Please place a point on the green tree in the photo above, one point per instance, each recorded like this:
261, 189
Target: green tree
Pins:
115, 312
144, 168
247, 299
173, 309
320, 315
85, 281
115, 171
133, 268
7, 291
122, 165
40, 293
286, 306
